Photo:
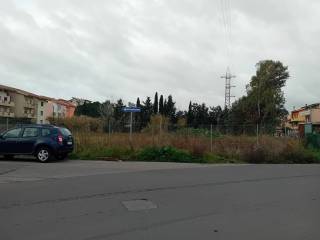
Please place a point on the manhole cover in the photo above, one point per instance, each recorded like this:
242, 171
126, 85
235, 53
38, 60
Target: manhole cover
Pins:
139, 205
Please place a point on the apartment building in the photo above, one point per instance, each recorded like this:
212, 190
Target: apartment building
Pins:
25, 105
55, 110
6, 103
306, 119
69, 107
16, 103
311, 113
297, 118
42, 106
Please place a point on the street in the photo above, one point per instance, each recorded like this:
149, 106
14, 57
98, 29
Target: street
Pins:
131, 200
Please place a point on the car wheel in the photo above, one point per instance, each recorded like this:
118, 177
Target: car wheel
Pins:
43, 154
62, 156
8, 157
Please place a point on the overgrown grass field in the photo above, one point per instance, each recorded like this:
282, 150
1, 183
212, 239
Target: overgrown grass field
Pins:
182, 147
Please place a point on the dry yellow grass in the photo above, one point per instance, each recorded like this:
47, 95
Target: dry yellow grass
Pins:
92, 142
197, 145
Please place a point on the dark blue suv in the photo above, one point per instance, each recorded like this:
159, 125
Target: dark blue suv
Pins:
42, 141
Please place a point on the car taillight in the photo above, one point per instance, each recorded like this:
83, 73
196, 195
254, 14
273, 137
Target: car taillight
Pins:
60, 139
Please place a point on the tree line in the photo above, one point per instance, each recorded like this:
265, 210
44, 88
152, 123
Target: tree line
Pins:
263, 105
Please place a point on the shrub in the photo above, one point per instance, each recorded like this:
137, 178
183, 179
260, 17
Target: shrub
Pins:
297, 153
154, 125
164, 154
198, 149
80, 124
290, 151
255, 155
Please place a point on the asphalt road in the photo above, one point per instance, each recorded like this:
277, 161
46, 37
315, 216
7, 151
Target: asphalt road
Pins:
117, 200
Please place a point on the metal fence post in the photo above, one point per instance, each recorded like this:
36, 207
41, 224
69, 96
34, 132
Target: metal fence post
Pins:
109, 131
152, 131
131, 127
7, 124
211, 137
160, 129
257, 134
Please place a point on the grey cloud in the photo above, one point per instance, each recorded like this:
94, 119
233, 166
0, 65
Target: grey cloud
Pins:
128, 48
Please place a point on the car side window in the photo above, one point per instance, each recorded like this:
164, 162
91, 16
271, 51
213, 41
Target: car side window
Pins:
30, 132
14, 133
45, 132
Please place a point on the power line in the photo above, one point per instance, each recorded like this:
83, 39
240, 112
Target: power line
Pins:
230, 34
227, 25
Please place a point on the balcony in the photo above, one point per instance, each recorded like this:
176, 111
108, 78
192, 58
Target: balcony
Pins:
29, 105
7, 103
29, 115
7, 114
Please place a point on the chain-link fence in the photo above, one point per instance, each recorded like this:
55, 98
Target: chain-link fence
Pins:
227, 140
203, 129
155, 126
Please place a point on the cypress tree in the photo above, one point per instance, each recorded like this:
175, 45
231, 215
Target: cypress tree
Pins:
118, 110
190, 114
147, 111
138, 115
138, 104
161, 107
171, 109
156, 104
165, 108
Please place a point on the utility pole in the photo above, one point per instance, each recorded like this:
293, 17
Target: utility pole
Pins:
228, 77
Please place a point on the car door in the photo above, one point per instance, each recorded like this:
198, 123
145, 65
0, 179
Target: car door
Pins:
28, 139
9, 141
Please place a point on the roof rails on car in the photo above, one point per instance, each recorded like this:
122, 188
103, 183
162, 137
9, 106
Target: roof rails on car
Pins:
33, 124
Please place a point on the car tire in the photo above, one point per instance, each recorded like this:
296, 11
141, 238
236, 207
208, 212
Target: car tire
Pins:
43, 154
8, 157
62, 156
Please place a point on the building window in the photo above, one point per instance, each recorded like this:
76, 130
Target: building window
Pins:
41, 104
41, 113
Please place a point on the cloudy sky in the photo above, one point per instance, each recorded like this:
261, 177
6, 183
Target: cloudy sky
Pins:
107, 49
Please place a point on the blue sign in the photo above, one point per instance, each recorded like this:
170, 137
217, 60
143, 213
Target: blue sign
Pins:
131, 109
